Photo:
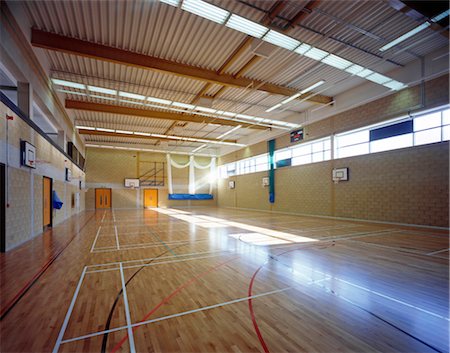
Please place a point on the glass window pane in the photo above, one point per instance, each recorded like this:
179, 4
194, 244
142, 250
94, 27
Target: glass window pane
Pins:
301, 160
352, 139
261, 167
392, 143
327, 155
427, 136
427, 121
327, 144
317, 157
317, 147
283, 154
446, 133
261, 159
354, 150
446, 117
302, 150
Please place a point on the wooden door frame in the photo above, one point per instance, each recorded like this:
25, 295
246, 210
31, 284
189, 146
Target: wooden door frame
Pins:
51, 202
157, 196
110, 196
2, 207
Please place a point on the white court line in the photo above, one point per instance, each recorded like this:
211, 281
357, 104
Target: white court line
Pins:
69, 313
103, 218
156, 263
154, 258
127, 311
117, 238
146, 245
95, 240
438, 252
114, 216
189, 312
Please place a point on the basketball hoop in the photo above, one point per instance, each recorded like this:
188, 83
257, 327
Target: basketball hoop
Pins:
336, 180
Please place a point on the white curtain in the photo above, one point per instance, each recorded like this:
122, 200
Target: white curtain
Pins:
192, 164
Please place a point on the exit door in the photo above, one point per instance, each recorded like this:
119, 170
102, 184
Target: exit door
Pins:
150, 198
102, 198
47, 201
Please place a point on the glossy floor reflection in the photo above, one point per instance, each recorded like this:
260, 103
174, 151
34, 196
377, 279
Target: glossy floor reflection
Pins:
224, 280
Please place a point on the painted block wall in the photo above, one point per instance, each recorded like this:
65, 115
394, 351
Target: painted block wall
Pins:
24, 216
108, 168
409, 185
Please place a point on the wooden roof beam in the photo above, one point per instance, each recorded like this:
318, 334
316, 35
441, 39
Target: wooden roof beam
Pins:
51, 41
115, 134
152, 114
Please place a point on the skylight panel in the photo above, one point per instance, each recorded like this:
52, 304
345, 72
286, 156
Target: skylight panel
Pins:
205, 10
302, 49
248, 27
131, 95
281, 40
354, 69
364, 73
142, 133
171, 2
336, 61
316, 54
68, 83
85, 127
102, 90
105, 130
395, 85
206, 110
159, 100
378, 78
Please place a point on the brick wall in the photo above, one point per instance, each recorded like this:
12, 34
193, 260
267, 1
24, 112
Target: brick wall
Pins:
409, 185
108, 168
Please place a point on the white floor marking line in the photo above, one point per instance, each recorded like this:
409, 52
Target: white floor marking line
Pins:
127, 311
69, 313
157, 258
438, 252
117, 238
103, 218
95, 240
114, 216
189, 312
145, 245
156, 263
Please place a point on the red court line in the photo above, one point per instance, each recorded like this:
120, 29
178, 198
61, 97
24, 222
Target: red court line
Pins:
170, 296
7, 308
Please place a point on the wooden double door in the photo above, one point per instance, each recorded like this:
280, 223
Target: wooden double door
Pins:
47, 202
150, 198
102, 198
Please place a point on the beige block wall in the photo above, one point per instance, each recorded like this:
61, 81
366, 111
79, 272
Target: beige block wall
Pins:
108, 168
24, 216
410, 185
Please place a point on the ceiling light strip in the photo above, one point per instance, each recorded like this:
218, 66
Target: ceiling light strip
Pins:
144, 150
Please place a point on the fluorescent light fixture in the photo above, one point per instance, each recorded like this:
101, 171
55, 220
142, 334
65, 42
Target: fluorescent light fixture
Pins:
230, 114
302, 49
336, 61
405, 36
102, 90
243, 116
71, 92
142, 133
183, 105
316, 54
102, 97
440, 16
130, 102
85, 127
131, 95
171, 2
248, 27
124, 132
105, 130
354, 69
378, 78
205, 10
364, 73
159, 100
291, 98
281, 40
310, 88
273, 108
206, 110
68, 83
395, 85
199, 148
228, 132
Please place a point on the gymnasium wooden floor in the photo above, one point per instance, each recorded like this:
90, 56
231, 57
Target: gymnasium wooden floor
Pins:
222, 280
